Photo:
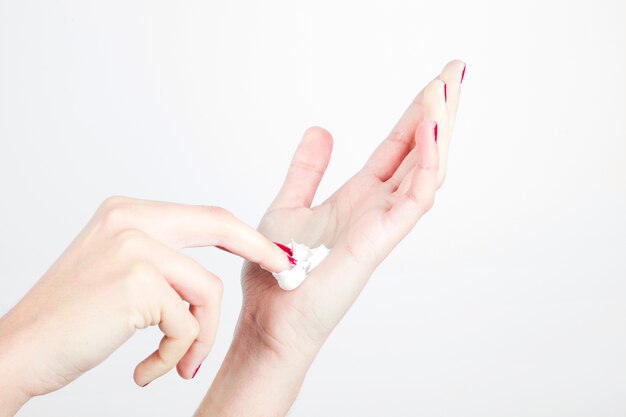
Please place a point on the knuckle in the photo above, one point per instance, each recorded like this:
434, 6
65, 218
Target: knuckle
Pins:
141, 272
212, 289
113, 201
219, 213
306, 166
424, 167
223, 220
217, 287
113, 211
130, 241
398, 135
138, 280
192, 329
138, 291
423, 201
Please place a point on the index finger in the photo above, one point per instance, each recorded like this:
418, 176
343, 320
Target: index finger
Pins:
183, 226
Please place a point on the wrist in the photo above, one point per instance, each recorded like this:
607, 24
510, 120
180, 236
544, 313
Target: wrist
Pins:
277, 340
256, 378
12, 393
11, 398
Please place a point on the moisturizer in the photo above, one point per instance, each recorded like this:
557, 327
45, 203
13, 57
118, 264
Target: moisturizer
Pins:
306, 259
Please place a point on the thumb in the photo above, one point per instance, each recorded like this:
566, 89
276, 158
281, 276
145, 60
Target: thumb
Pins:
306, 170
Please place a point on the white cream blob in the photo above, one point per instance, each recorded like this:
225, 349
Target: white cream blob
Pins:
306, 259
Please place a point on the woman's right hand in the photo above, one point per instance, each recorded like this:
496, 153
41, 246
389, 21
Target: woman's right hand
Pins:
122, 273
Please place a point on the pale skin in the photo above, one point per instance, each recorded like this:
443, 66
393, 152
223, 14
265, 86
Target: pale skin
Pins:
279, 333
124, 272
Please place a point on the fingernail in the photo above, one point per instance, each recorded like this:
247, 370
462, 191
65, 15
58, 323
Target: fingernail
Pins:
196, 371
284, 248
435, 132
145, 385
445, 92
288, 251
463, 73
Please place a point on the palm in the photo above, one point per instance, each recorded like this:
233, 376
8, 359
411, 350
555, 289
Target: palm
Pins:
362, 221
348, 218
342, 221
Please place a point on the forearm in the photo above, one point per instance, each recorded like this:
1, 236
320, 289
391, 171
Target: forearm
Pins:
255, 380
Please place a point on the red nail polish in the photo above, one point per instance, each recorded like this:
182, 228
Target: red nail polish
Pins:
196, 371
435, 132
463, 73
284, 248
288, 251
445, 92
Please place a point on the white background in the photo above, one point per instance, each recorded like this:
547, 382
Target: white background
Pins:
514, 285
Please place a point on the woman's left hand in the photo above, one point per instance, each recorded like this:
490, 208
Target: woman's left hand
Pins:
279, 333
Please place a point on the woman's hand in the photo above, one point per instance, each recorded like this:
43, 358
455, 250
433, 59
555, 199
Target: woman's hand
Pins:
122, 273
361, 223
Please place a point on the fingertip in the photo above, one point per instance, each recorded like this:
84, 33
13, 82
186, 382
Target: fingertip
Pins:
140, 379
456, 66
280, 259
186, 370
287, 252
306, 169
284, 256
435, 94
319, 141
318, 133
